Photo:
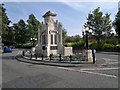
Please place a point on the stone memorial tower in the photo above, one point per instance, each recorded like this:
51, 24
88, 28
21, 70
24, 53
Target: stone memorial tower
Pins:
49, 36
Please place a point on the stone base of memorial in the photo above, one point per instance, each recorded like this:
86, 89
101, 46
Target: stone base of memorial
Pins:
88, 55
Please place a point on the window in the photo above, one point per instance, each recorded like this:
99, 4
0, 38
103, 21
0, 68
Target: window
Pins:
55, 39
51, 39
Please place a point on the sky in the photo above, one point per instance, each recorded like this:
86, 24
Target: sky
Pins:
72, 15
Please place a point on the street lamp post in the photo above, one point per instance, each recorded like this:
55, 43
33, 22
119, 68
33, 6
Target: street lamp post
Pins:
33, 39
86, 40
85, 32
87, 52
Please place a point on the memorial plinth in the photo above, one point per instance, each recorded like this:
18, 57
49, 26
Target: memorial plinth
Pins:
88, 55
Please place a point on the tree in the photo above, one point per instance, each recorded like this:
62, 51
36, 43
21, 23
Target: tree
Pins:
69, 39
64, 32
32, 26
21, 33
6, 30
107, 24
99, 24
11, 37
77, 38
116, 23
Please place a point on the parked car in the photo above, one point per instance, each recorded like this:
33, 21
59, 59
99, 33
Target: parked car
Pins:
7, 49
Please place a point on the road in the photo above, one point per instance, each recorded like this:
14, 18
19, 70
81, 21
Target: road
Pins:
0, 70
17, 74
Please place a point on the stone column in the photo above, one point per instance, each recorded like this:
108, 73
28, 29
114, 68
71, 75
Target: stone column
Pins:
59, 28
39, 41
47, 40
38, 48
60, 46
61, 35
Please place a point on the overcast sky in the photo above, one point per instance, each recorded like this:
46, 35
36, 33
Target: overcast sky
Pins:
71, 14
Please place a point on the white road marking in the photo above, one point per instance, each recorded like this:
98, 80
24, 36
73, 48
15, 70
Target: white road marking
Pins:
114, 63
99, 68
110, 60
113, 55
101, 74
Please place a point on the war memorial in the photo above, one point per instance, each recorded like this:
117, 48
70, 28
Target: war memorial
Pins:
50, 37
50, 40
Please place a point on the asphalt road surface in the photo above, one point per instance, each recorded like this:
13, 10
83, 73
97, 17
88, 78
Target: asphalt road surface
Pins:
17, 74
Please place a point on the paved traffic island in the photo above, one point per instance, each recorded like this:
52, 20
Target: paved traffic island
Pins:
68, 62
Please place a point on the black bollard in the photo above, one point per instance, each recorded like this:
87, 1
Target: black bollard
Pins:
23, 53
60, 57
30, 56
42, 57
70, 58
36, 56
50, 57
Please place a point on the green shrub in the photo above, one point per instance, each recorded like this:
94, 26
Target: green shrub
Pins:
96, 46
78, 45
108, 46
69, 44
117, 47
77, 56
113, 41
